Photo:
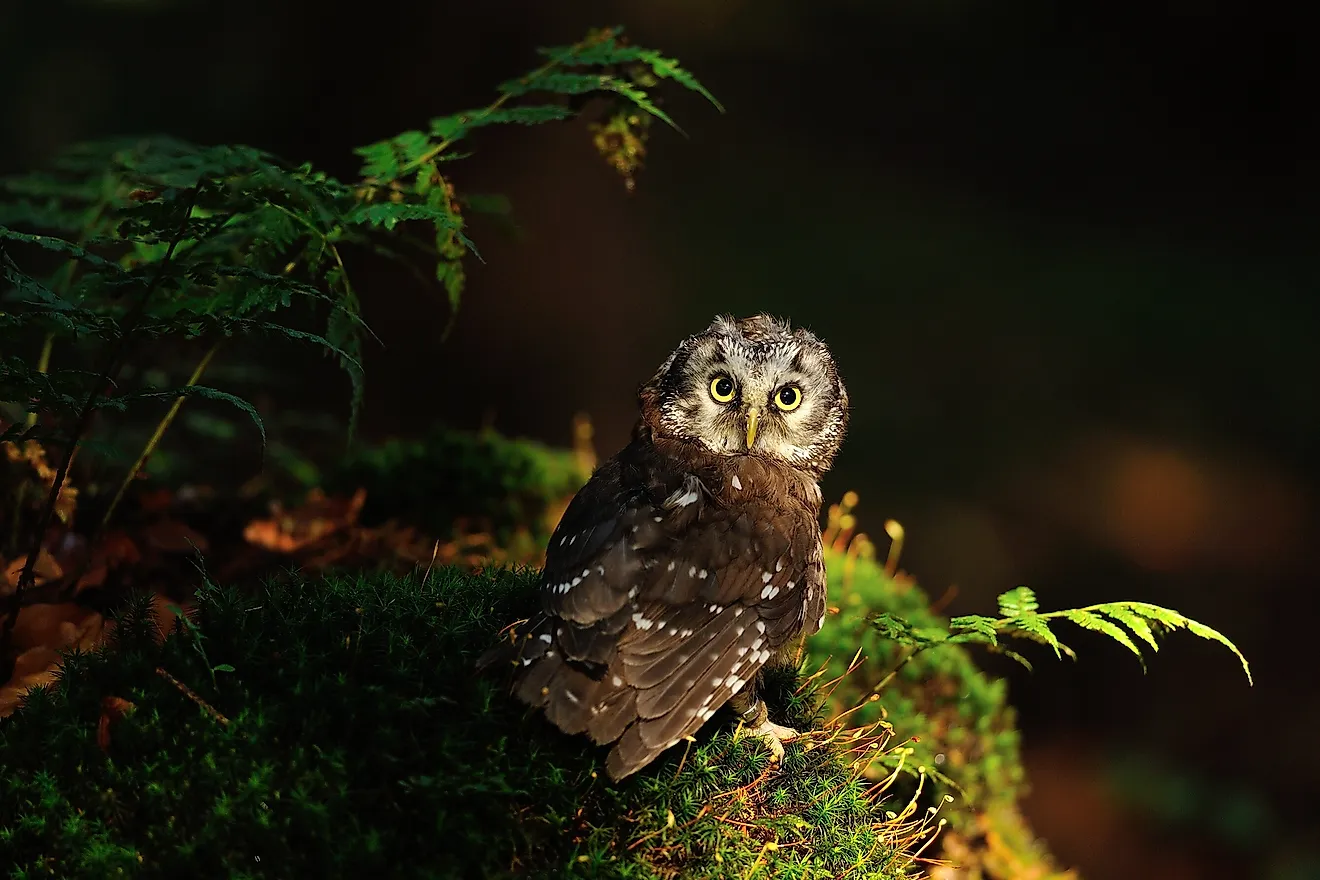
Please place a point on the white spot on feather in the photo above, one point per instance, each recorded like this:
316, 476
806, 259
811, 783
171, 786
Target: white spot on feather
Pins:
658, 518
702, 574
545, 637
576, 581
686, 498
738, 685
739, 630
790, 585
737, 612
760, 626
742, 652
616, 681
671, 565
779, 564
737, 483
692, 572
600, 570
765, 577
706, 714
716, 681
527, 661
572, 697
731, 681
586, 571
642, 621
716, 609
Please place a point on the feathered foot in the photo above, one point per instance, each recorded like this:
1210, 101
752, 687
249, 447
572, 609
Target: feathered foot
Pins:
757, 723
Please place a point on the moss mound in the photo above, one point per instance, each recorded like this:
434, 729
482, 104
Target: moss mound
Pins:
350, 737
954, 732
514, 488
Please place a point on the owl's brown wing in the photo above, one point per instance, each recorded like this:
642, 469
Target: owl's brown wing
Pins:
663, 597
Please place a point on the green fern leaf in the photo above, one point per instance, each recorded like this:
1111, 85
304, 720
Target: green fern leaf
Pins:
1135, 622
1019, 600
390, 214
58, 245
456, 126
1012, 655
1205, 632
897, 629
386, 160
976, 625
668, 68
121, 401
1087, 620
556, 82
1034, 625
642, 100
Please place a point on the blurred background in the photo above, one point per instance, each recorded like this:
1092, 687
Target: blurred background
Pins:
1063, 252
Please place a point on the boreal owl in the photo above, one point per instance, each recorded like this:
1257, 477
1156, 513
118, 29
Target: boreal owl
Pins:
693, 556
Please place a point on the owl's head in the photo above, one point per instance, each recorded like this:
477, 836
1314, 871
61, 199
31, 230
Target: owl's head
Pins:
751, 384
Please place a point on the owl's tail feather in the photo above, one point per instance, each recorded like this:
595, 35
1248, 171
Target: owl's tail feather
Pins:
519, 644
630, 754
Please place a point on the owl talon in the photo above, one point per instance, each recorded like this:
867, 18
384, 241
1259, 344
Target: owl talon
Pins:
774, 736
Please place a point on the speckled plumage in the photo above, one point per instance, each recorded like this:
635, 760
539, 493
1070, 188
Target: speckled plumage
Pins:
688, 560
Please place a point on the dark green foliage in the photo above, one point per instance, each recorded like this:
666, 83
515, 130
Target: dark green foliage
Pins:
448, 476
135, 244
360, 742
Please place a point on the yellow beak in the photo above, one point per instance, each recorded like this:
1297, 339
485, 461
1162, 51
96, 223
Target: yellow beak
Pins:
753, 416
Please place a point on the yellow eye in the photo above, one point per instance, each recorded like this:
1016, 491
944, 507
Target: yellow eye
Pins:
788, 398
722, 389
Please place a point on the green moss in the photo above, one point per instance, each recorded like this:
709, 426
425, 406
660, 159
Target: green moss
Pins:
954, 733
447, 477
360, 742
956, 719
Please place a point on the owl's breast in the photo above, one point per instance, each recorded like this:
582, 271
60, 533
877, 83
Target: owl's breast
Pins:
758, 482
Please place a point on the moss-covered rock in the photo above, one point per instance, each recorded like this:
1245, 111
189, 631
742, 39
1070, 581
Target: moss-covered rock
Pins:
954, 733
334, 727
514, 488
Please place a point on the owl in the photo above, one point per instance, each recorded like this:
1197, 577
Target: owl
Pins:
692, 558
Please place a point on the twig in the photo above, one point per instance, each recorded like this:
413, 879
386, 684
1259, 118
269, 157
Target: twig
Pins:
192, 695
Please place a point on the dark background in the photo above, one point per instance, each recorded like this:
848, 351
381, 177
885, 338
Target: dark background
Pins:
1064, 254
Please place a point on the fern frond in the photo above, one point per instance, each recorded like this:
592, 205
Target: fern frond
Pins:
1019, 600
1022, 619
1087, 620
1037, 627
973, 627
390, 214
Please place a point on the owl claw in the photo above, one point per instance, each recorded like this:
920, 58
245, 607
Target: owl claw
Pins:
774, 736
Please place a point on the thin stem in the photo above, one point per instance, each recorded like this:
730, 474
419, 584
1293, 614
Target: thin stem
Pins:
884, 682
43, 364
105, 380
156, 436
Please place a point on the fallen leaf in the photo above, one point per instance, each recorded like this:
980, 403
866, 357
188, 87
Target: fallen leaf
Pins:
112, 710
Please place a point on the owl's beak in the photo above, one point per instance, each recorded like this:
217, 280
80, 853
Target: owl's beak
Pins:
753, 416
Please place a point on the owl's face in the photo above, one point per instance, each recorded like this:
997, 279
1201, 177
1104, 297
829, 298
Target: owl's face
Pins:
753, 384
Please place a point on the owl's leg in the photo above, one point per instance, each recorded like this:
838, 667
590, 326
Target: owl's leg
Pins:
756, 720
